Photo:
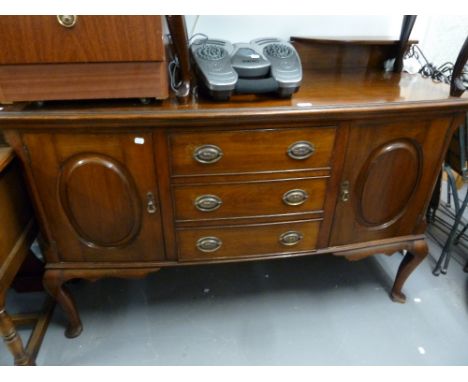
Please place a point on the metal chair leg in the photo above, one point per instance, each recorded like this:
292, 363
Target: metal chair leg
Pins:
459, 236
446, 251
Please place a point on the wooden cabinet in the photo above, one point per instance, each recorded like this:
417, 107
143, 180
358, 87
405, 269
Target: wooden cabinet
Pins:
124, 189
82, 57
100, 195
388, 177
79, 39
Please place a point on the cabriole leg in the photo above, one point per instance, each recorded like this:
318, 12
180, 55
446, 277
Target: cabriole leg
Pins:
53, 282
409, 263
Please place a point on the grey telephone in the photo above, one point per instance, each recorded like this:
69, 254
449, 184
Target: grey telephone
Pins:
266, 65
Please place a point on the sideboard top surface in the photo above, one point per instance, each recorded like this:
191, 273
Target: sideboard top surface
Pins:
322, 95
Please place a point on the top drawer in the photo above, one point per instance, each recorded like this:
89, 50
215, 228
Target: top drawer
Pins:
247, 151
46, 39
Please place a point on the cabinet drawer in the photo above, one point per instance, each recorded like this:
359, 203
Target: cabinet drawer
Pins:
249, 199
248, 240
46, 39
247, 151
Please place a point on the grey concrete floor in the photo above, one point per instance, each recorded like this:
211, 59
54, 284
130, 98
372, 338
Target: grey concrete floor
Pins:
318, 310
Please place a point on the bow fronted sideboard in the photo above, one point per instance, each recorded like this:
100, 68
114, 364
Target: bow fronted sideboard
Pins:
346, 167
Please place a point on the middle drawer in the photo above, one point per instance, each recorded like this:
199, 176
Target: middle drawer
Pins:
231, 200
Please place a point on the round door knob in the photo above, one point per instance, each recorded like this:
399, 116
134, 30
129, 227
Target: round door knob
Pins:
290, 238
209, 244
208, 203
295, 197
207, 154
301, 150
67, 21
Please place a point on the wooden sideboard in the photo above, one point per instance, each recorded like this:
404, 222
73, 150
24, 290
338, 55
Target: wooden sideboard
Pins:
345, 167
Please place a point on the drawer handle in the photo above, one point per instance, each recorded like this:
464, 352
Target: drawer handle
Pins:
301, 150
291, 238
295, 197
207, 154
67, 21
209, 244
208, 203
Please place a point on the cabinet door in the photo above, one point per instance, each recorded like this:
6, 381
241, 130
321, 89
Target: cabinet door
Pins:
99, 193
388, 177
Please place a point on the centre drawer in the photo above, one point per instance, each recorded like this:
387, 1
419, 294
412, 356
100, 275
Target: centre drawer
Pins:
247, 240
250, 151
228, 200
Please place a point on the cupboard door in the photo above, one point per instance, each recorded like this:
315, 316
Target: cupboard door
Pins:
100, 195
388, 177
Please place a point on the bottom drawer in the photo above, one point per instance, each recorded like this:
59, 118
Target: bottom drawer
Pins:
247, 240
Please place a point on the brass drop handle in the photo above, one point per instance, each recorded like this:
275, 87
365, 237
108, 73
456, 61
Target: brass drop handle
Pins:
208, 203
207, 154
67, 21
291, 238
209, 244
301, 150
345, 191
295, 197
150, 203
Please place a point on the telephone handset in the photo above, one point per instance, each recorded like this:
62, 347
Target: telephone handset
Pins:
266, 65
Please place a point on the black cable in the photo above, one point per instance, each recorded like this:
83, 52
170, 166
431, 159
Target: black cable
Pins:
442, 73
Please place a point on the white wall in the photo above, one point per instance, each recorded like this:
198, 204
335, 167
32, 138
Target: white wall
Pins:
440, 36
443, 37
246, 28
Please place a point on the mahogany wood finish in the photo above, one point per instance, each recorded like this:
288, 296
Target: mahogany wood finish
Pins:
354, 54
180, 44
11, 337
245, 151
248, 240
98, 57
29, 276
33, 39
412, 259
98, 191
248, 199
406, 28
53, 283
378, 142
42, 82
389, 168
18, 230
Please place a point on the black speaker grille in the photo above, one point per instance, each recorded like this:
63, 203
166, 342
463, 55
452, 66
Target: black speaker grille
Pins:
211, 52
278, 51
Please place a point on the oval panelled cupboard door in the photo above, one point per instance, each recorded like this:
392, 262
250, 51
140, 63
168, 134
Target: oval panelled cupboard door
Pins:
387, 179
100, 200
95, 190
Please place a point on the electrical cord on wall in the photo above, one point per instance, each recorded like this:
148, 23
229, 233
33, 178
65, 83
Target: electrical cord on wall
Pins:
442, 73
174, 66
